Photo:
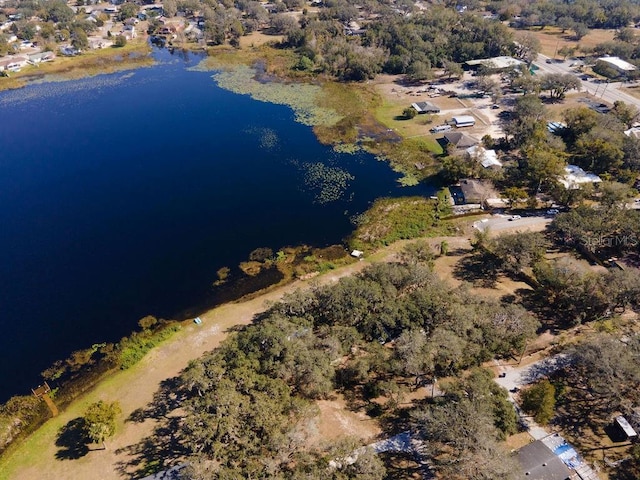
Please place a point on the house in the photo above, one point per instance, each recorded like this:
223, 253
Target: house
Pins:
496, 63
486, 158
13, 63
459, 140
40, 57
463, 121
425, 107
575, 177
476, 191
538, 462
617, 64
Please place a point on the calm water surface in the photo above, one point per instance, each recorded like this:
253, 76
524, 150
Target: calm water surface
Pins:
121, 195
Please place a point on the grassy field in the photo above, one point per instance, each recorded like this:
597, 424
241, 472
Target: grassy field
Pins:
552, 39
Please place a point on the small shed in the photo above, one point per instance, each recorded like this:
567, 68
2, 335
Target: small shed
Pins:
425, 107
463, 121
625, 427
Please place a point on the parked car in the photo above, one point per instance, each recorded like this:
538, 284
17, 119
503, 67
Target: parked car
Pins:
514, 217
553, 211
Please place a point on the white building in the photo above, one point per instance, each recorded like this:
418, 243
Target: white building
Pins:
497, 63
464, 121
618, 64
486, 158
575, 177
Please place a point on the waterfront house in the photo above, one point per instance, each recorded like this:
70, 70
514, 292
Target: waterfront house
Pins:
13, 63
459, 140
41, 57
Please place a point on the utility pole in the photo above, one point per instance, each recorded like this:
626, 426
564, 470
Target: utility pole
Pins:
522, 354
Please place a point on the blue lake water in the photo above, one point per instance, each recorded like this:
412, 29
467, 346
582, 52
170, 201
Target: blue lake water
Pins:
123, 194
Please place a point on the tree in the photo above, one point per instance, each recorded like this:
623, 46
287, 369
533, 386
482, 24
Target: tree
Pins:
461, 440
120, 41
527, 48
539, 400
170, 8
559, 84
580, 30
627, 114
100, 421
128, 10
515, 195
529, 113
409, 112
566, 51
79, 39
518, 251
452, 69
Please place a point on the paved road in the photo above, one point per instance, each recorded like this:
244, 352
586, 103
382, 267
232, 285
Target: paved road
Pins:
498, 223
608, 92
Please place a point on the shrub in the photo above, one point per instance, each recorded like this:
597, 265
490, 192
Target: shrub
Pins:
539, 400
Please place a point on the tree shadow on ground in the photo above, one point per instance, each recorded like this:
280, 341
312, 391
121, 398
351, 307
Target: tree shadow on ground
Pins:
162, 450
401, 466
168, 397
477, 270
72, 440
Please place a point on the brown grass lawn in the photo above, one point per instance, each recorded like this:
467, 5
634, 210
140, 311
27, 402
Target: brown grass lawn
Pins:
256, 39
632, 90
552, 39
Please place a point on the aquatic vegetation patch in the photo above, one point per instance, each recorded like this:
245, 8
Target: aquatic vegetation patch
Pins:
267, 137
300, 97
328, 183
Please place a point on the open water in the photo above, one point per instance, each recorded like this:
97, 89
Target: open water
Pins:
122, 195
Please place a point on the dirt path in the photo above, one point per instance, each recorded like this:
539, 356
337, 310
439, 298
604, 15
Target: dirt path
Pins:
134, 388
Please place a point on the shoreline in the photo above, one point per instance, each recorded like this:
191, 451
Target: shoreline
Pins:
96, 62
162, 362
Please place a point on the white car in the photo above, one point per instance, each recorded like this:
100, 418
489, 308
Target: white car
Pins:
514, 217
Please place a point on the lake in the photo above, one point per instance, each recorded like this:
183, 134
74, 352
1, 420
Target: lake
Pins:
122, 195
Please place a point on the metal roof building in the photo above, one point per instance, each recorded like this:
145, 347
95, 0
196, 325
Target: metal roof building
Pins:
499, 63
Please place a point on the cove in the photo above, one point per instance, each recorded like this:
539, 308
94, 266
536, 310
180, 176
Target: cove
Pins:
121, 196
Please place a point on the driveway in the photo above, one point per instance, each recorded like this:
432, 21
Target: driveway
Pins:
516, 377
